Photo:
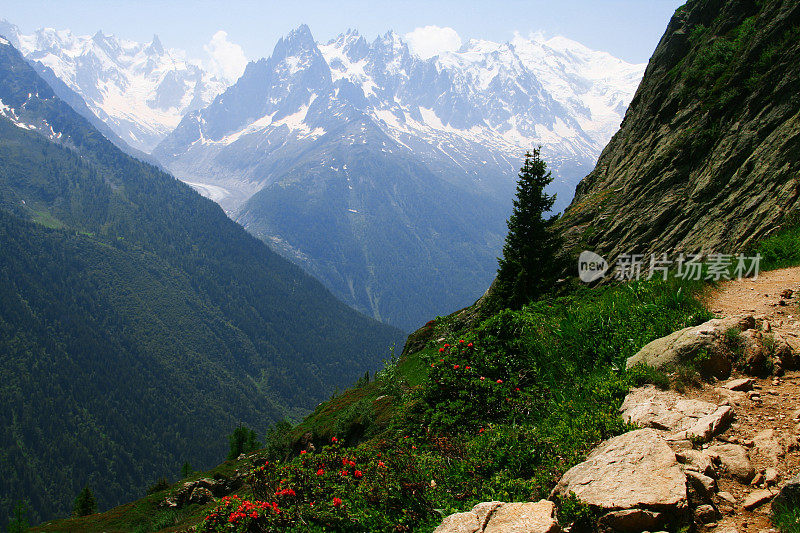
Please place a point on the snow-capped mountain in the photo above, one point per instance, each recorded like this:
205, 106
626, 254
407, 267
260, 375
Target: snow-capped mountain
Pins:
140, 90
364, 162
469, 114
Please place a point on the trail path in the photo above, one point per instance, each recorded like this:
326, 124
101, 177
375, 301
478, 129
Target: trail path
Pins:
774, 403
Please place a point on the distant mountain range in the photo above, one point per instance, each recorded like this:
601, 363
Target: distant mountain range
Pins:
140, 90
387, 176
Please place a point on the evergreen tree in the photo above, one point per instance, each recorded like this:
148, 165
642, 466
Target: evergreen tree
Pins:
85, 503
242, 440
19, 524
527, 268
186, 470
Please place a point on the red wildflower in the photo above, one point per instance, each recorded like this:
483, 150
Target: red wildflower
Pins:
320, 472
303, 452
469, 368
334, 439
358, 474
469, 345
380, 463
499, 380
461, 341
455, 367
337, 502
441, 350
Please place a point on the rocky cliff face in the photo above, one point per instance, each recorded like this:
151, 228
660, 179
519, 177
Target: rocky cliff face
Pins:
708, 156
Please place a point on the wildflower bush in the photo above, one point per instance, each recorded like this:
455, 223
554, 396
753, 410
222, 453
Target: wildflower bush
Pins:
376, 487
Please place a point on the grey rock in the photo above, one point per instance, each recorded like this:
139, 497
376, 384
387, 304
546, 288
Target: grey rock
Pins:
789, 495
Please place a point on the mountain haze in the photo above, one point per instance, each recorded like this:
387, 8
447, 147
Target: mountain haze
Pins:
139, 323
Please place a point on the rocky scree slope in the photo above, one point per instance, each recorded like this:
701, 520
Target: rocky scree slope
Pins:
708, 156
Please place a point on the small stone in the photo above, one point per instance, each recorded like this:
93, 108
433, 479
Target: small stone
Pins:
726, 497
704, 485
757, 499
771, 476
741, 384
758, 479
705, 514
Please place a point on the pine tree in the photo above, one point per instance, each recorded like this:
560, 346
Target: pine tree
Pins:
85, 503
527, 268
19, 524
242, 440
186, 470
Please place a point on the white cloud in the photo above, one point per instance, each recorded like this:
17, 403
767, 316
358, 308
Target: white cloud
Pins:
225, 60
429, 41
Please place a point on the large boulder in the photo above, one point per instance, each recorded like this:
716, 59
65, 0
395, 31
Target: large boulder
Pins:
702, 346
681, 418
499, 517
716, 346
634, 471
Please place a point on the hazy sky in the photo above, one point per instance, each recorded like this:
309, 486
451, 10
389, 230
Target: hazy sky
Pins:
629, 29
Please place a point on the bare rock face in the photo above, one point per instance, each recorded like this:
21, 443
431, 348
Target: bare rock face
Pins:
691, 169
680, 418
499, 517
634, 471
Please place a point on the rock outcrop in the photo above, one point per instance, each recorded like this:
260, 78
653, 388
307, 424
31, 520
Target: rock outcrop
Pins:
707, 156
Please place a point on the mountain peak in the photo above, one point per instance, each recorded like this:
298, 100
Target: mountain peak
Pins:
294, 43
155, 46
